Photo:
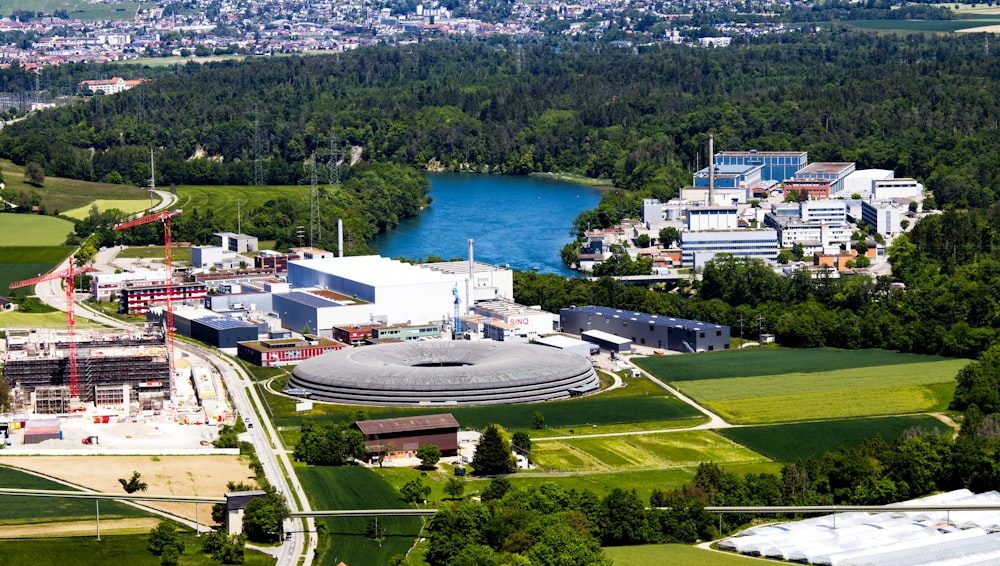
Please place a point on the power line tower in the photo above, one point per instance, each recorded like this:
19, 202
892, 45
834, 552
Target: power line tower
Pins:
258, 149
334, 160
315, 228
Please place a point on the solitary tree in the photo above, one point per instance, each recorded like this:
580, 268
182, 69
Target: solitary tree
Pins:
493, 455
263, 516
669, 235
375, 531
415, 491
34, 174
133, 484
539, 419
429, 455
163, 537
6, 400
455, 488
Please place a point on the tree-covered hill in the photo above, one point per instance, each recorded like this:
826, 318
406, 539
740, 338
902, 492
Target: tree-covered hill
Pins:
926, 107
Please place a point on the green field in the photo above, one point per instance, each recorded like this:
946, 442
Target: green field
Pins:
681, 449
674, 555
59, 194
85, 11
857, 392
126, 206
20, 510
33, 230
789, 442
753, 362
54, 319
221, 199
933, 26
19, 263
351, 487
114, 549
180, 253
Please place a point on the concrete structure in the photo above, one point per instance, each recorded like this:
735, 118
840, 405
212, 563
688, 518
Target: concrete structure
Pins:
823, 211
406, 332
699, 247
285, 352
884, 217
906, 188
211, 256
490, 282
113, 85
311, 253
811, 175
647, 329
861, 182
572, 345
373, 288
39, 358
712, 218
273, 261
776, 165
137, 300
607, 341
250, 302
103, 285
223, 332
440, 373
403, 436
236, 502
237, 243
732, 183
526, 321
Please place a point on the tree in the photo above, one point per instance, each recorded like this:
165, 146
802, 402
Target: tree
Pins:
133, 484
624, 518
34, 174
669, 235
493, 455
429, 455
539, 420
263, 517
497, 488
164, 536
375, 531
642, 240
6, 400
455, 488
522, 440
415, 491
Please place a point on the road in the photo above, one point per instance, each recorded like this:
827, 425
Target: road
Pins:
245, 398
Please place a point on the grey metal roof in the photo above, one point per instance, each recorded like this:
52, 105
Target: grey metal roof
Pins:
308, 300
643, 318
223, 323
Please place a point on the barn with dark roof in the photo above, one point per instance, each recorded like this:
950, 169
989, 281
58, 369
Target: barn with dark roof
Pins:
403, 436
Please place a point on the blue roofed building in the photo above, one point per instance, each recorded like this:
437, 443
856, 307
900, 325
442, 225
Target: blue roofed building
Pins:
775, 165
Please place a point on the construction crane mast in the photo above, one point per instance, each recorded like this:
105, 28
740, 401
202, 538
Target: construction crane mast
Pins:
162, 216
68, 276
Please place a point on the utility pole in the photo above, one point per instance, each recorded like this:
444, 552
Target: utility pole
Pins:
741, 331
760, 332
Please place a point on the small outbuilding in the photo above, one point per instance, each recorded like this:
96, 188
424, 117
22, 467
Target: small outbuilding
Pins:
566, 343
38, 431
607, 341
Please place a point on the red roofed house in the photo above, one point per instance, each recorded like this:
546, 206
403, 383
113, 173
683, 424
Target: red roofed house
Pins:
402, 437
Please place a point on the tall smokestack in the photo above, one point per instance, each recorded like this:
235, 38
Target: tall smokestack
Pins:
711, 169
468, 284
340, 237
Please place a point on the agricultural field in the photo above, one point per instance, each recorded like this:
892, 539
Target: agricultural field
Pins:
33, 230
221, 199
85, 11
789, 442
59, 194
932, 26
126, 206
179, 253
675, 555
130, 549
19, 263
54, 319
356, 488
680, 449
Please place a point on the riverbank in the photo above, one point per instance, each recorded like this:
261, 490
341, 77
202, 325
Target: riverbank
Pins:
578, 179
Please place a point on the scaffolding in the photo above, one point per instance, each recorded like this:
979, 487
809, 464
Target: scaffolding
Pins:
53, 400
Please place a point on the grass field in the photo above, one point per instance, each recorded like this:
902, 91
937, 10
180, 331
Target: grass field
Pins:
115, 549
59, 194
221, 199
20, 510
933, 26
673, 554
748, 363
180, 253
356, 488
681, 449
76, 9
54, 319
19, 263
126, 206
33, 230
789, 442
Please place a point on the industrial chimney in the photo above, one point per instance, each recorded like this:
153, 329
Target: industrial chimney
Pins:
711, 170
468, 284
340, 237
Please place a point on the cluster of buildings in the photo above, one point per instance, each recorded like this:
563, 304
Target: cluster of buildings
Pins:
263, 27
754, 203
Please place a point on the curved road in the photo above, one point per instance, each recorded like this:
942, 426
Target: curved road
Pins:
245, 398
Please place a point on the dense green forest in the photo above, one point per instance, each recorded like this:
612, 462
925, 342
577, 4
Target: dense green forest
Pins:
924, 106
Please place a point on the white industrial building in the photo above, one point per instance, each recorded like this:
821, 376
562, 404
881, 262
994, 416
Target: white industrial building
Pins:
700, 247
861, 182
489, 282
897, 189
364, 289
103, 285
884, 217
214, 256
526, 321
712, 218
823, 211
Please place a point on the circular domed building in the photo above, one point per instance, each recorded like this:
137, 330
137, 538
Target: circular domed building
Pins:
445, 373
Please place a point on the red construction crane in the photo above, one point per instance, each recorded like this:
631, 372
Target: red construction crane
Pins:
162, 216
66, 274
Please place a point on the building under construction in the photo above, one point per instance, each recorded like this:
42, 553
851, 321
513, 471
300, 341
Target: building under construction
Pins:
114, 368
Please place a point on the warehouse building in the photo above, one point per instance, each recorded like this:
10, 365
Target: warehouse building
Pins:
223, 332
286, 351
664, 332
403, 436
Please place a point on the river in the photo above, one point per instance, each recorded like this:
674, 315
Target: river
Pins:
518, 221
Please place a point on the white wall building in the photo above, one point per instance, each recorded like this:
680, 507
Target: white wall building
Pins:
525, 320
823, 211
860, 182
884, 217
712, 218
489, 282
897, 189
103, 285
699, 247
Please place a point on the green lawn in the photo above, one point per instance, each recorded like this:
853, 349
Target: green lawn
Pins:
180, 253
789, 442
111, 549
54, 319
19, 263
221, 199
33, 230
771, 361
935, 26
126, 206
85, 11
20, 510
674, 555
351, 487
59, 194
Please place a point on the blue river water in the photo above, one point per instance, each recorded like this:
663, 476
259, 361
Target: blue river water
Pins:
518, 221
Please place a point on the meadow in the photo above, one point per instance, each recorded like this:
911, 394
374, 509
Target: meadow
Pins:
23, 262
351, 487
931, 26
20, 510
127, 206
673, 554
110, 549
789, 442
75, 9
33, 230
221, 199
179, 253
59, 194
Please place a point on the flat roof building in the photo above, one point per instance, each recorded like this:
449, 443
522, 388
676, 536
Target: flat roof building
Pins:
644, 329
776, 165
285, 352
403, 436
699, 247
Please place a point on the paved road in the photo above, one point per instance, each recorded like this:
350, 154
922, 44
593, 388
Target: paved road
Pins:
262, 435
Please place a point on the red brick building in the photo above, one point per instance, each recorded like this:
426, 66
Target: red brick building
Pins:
136, 300
403, 436
285, 352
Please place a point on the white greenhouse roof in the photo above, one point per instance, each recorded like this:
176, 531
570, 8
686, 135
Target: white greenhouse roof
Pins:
374, 270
